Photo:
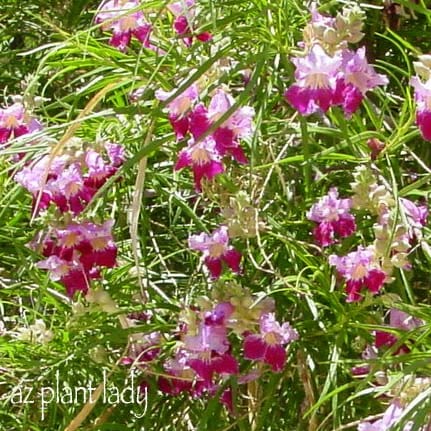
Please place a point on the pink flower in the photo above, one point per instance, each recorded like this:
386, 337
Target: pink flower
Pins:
113, 16
216, 250
70, 182
390, 418
179, 107
423, 106
333, 217
69, 272
237, 126
15, 122
182, 376
204, 354
323, 81
401, 320
361, 270
199, 121
203, 158
356, 78
212, 331
75, 254
209, 348
316, 81
416, 214
184, 11
398, 320
268, 345
206, 367
116, 153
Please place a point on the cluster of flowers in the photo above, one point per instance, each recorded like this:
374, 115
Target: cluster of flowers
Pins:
203, 355
328, 73
402, 392
368, 267
205, 154
125, 19
71, 180
76, 251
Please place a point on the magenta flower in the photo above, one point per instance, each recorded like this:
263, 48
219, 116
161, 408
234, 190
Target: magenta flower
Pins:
209, 348
182, 376
204, 354
268, 346
113, 16
206, 367
361, 270
237, 126
333, 217
398, 320
216, 250
75, 254
423, 106
212, 333
184, 12
203, 158
68, 272
179, 107
316, 81
15, 122
356, 78
401, 320
70, 183
199, 121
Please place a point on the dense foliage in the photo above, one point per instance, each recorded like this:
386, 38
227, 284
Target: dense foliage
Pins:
220, 207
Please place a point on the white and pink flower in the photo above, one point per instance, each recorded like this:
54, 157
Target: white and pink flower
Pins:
360, 269
268, 346
333, 217
216, 251
114, 15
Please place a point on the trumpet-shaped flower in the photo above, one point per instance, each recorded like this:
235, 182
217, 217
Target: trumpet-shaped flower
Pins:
113, 15
69, 182
417, 215
15, 122
237, 126
203, 158
178, 108
75, 254
316, 81
356, 78
423, 105
398, 320
185, 12
268, 346
216, 250
390, 418
361, 270
333, 217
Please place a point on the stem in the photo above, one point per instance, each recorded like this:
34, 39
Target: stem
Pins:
306, 153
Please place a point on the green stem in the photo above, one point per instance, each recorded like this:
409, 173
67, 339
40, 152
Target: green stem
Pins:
306, 153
